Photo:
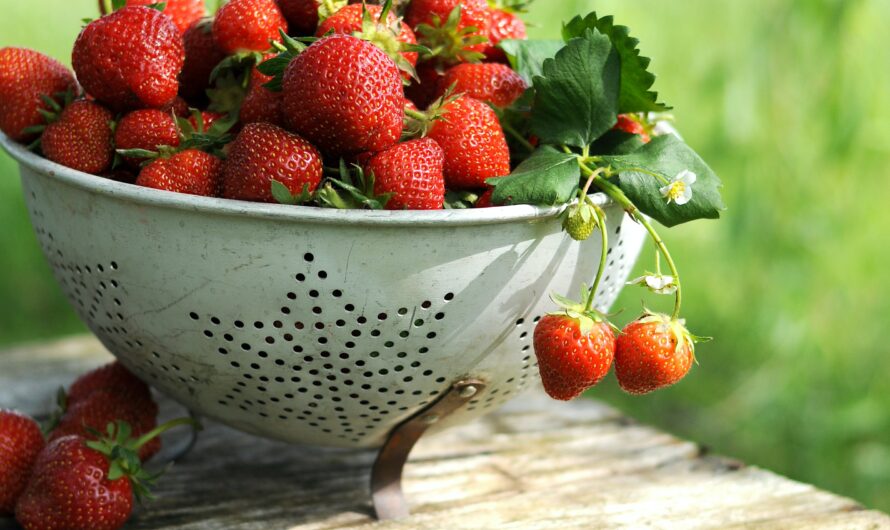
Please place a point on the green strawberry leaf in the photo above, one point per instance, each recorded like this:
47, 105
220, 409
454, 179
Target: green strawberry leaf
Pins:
527, 56
160, 6
576, 99
645, 171
636, 81
283, 195
548, 177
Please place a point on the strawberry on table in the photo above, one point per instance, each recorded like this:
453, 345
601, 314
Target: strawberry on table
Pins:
190, 171
493, 83
112, 377
412, 172
504, 26
130, 59
653, 352
146, 129
25, 77
80, 484
202, 54
345, 96
262, 153
20, 443
248, 25
81, 138
182, 12
474, 143
390, 34
105, 406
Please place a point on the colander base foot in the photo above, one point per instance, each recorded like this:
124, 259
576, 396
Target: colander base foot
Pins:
386, 475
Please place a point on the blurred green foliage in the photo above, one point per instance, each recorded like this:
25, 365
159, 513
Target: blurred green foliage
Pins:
787, 99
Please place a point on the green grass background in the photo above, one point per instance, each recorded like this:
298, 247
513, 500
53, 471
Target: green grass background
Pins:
788, 100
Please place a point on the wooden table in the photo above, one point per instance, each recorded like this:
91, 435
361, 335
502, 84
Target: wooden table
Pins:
534, 465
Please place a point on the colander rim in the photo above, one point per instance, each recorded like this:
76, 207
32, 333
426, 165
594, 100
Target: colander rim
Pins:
279, 212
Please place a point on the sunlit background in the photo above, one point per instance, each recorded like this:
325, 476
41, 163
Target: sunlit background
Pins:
788, 101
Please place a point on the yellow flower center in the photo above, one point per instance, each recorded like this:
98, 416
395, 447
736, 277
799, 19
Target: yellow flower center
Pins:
676, 190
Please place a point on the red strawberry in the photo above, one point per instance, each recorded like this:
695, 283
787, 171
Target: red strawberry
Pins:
474, 143
494, 83
248, 25
179, 107
146, 129
25, 76
653, 352
81, 138
202, 54
182, 12
208, 118
113, 377
191, 171
390, 35
20, 443
262, 153
345, 96
130, 58
504, 26
574, 353
631, 125
412, 171
102, 407
302, 15
78, 484
260, 104
463, 40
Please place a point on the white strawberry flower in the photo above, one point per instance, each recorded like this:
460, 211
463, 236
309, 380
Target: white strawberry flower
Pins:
657, 283
679, 190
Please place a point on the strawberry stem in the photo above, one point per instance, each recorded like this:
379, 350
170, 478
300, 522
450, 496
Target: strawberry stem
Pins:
161, 429
600, 222
618, 196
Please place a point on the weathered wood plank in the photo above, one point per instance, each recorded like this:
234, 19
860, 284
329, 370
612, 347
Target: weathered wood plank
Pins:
533, 465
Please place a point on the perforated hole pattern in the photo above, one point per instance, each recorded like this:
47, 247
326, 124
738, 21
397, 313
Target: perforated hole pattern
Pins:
313, 368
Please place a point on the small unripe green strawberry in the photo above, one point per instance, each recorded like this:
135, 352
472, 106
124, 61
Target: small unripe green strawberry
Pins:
580, 220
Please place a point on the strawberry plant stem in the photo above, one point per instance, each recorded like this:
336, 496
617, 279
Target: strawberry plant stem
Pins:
149, 436
601, 221
618, 196
518, 137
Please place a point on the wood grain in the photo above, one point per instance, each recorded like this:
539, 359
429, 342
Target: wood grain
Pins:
535, 464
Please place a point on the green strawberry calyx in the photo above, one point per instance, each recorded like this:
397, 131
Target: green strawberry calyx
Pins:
586, 316
676, 327
448, 43
386, 37
352, 189
122, 450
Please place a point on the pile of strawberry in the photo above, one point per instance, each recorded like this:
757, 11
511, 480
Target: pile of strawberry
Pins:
264, 100
83, 469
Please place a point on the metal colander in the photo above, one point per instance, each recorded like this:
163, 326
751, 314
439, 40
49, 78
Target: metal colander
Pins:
308, 325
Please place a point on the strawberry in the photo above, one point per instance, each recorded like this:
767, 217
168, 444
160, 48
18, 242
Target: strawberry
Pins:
653, 352
631, 125
179, 107
574, 353
146, 129
504, 26
81, 138
345, 96
20, 443
130, 59
412, 172
260, 104
493, 83
80, 484
182, 12
474, 143
25, 77
202, 54
390, 34
191, 171
208, 118
248, 25
456, 30
105, 406
112, 377
303, 15
262, 153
